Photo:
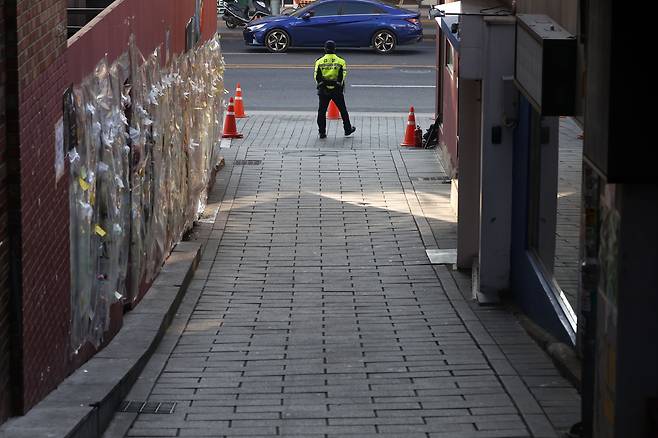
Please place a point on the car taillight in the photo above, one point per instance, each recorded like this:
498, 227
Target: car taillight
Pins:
413, 20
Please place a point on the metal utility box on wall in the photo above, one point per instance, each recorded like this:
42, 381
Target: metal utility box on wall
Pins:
545, 65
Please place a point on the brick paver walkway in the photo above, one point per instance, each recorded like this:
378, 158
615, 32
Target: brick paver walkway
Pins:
319, 315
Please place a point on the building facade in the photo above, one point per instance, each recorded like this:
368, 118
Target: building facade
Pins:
576, 204
35, 77
620, 237
37, 66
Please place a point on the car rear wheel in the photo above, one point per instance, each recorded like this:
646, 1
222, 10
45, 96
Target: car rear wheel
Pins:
277, 41
383, 41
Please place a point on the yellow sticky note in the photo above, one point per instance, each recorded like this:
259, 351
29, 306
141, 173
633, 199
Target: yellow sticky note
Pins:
99, 230
84, 184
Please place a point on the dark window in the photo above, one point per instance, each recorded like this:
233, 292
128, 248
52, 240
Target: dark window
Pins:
325, 9
301, 11
541, 209
450, 57
359, 8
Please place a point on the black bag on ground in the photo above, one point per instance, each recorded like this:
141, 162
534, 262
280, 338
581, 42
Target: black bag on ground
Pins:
431, 137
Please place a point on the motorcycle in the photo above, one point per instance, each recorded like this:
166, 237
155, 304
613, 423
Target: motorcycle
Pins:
234, 16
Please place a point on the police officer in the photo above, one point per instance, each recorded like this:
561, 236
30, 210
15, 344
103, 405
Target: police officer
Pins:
330, 72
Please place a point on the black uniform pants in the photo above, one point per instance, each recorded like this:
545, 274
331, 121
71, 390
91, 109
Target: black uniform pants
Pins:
339, 100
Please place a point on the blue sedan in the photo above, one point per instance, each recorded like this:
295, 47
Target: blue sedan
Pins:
350, 23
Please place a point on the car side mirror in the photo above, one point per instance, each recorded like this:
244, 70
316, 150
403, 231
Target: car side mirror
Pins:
307, 15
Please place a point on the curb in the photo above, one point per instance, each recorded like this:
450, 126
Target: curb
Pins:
231, 36
562, 355
84, 404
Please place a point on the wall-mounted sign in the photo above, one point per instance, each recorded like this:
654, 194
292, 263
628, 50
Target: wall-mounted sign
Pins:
545, 65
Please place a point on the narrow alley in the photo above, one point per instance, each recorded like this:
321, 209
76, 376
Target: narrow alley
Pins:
468, 249
315, 310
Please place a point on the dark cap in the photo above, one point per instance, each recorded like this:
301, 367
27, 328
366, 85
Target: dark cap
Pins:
330, 46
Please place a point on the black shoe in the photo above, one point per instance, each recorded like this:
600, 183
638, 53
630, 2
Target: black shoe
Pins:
350, 132
323, 135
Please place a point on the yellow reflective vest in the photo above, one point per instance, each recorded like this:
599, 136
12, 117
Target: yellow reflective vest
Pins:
330, 69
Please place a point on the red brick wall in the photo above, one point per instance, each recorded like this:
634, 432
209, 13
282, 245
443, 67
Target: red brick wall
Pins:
31, 201
43, 203
149, 22
5, 390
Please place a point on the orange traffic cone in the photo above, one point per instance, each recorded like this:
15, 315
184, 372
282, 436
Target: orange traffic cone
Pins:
230, 130
239, 108
332, 111
409, 133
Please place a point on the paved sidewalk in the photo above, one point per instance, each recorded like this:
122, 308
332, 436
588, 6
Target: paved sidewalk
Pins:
314, 311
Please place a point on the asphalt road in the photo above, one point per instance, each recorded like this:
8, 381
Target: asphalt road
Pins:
375, 83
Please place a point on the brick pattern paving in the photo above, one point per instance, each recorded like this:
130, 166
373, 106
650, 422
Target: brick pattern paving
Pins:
319, 315
271, 132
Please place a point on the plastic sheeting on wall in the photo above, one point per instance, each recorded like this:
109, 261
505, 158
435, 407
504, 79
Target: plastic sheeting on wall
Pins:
145, 148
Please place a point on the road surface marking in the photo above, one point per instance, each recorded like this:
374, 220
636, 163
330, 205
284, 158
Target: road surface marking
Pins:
310, 67
391, 86
252, 53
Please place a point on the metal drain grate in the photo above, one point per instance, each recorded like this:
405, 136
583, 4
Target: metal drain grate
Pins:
308, 154
248, 162
140, 407
314, 153
441, 179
